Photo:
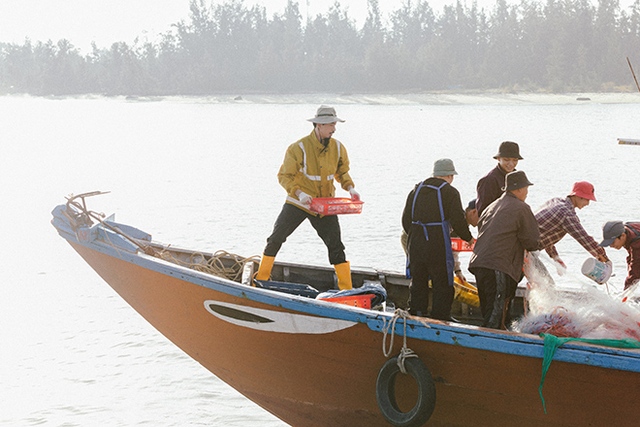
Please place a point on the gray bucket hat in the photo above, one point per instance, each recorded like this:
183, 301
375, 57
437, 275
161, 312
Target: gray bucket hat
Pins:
611, 230
444, 167
325, 115
515, 180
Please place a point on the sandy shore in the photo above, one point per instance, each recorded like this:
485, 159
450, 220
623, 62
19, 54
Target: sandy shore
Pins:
451, 98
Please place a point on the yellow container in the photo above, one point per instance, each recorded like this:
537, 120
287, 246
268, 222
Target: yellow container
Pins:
465, 292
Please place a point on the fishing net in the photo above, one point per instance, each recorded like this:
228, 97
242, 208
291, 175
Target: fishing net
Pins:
588, 311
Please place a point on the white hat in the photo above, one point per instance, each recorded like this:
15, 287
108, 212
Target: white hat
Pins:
325, 115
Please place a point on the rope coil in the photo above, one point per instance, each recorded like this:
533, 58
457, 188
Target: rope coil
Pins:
214, 265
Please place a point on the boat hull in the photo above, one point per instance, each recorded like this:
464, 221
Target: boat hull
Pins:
323, 371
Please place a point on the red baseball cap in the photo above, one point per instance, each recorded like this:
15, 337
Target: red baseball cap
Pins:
583, 189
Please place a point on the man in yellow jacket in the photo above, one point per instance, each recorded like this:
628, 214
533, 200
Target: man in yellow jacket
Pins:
310, 166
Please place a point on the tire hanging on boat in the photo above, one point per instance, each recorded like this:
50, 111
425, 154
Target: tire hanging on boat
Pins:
385, 393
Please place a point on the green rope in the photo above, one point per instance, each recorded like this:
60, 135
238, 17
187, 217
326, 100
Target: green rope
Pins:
551, 344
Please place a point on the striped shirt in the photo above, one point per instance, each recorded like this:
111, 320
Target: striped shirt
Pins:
556, 218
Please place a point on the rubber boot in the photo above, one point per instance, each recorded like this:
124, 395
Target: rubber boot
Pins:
505, 314
343, 271
266, 264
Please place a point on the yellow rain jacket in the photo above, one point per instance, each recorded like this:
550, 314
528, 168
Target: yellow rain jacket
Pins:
310, 167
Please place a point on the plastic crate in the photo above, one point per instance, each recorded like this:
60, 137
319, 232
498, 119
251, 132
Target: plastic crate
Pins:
336, 205
459, 245
361, 301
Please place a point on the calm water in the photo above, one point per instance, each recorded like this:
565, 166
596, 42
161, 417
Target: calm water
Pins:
201, 173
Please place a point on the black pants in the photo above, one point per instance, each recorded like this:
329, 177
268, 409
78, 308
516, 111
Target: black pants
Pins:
496, 291
428, 262
327, 227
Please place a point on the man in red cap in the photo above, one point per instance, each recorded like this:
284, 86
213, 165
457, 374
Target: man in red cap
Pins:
558, 216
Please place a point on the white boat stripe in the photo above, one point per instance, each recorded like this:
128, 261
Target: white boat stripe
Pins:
274, 321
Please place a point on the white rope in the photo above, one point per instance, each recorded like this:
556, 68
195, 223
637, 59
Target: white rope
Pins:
214, 265
405, 352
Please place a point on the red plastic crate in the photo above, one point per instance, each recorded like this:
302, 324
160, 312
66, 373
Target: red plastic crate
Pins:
362, 301
336, 205
459, 245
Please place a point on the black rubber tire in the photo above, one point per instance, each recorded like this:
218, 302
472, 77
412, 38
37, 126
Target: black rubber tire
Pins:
385, 393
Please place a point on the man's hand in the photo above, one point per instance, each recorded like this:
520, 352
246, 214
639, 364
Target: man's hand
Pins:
304, 198
471, 242
561, 267
355, 196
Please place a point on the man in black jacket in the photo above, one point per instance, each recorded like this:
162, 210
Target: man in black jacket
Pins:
490, 186
432, 208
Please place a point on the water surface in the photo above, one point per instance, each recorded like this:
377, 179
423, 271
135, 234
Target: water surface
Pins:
201, 173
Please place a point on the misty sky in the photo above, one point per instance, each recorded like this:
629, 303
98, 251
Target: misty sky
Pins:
107, 21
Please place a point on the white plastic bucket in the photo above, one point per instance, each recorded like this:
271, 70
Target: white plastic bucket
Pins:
597, 271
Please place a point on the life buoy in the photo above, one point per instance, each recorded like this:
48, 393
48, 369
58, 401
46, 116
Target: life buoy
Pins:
385, 393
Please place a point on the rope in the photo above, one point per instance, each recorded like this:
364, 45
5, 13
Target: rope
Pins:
405, 352
551, 344
214, 265
83, 217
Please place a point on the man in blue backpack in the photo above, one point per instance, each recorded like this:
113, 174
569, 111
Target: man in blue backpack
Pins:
433, 207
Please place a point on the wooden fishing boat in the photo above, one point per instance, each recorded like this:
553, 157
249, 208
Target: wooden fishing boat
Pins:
313, 362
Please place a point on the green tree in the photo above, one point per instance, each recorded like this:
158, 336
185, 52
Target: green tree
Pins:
333, 54
281, 60
608, 43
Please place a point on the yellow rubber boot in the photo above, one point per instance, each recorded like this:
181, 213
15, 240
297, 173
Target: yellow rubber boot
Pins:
343, 271
266, 264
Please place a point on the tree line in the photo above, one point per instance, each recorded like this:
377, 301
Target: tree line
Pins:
555, 45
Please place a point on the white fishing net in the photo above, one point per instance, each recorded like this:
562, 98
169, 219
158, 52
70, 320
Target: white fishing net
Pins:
587, 311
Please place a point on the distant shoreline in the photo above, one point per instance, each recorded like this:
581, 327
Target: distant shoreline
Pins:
435, 98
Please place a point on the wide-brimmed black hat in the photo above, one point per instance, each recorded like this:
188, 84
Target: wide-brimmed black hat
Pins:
514, 180
509, 149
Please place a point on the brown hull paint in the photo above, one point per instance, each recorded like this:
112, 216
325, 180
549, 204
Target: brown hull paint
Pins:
330, 379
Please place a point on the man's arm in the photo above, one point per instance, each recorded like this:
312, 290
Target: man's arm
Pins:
406, 213
342, 170
487, 192
574, 228
290, 169
529, 233
633, 266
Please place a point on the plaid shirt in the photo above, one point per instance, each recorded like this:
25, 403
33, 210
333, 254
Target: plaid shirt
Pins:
556, 218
